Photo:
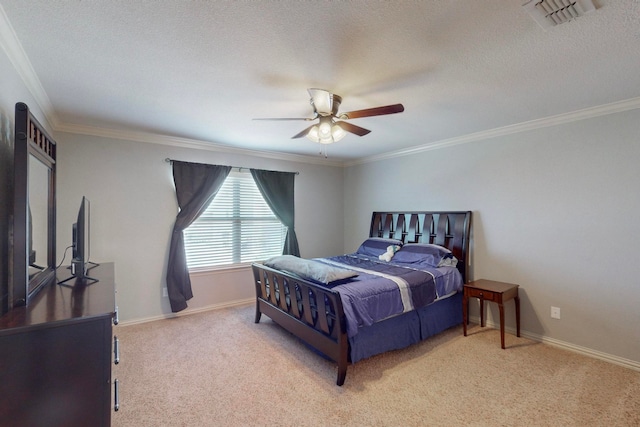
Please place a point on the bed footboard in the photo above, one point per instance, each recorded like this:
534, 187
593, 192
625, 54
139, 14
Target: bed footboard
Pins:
311, 312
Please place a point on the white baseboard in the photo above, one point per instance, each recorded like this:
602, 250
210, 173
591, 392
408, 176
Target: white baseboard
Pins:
616, 360
189, 311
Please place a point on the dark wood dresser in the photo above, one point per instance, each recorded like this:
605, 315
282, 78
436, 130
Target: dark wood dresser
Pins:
56, 355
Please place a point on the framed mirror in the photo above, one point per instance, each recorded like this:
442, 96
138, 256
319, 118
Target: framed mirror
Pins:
34, 210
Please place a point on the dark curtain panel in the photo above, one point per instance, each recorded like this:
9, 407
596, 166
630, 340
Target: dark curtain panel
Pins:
196, 186
277, 190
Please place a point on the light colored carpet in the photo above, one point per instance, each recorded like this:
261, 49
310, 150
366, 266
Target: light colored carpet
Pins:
220, 369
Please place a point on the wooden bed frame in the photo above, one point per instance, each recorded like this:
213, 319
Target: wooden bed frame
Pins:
314, 313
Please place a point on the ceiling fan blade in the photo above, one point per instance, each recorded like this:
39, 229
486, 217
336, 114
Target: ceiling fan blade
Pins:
348, 127
377, 111
303, 133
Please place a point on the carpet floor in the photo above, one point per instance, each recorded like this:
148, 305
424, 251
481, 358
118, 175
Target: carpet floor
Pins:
219, 368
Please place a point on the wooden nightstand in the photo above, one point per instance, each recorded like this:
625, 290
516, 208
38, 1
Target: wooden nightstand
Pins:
489, 290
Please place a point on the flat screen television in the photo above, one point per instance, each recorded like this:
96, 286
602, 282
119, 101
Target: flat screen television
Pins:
80, 264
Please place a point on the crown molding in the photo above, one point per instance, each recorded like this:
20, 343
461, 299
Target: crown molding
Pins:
151, 138
13, 49
559, 119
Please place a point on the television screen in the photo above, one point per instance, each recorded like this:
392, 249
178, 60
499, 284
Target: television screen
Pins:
80, 264
81, 233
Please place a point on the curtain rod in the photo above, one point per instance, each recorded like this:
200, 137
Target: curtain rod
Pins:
238, 168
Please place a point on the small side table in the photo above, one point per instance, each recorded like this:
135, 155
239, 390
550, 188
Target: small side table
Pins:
489, 290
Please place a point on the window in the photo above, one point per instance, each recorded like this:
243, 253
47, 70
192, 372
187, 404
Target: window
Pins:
237, 227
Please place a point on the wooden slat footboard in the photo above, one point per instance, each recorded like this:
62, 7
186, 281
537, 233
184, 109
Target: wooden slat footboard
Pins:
311, 312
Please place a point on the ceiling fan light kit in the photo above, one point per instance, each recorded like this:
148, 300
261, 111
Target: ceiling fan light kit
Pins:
328, 130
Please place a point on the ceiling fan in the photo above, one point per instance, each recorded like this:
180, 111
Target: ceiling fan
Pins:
331, 126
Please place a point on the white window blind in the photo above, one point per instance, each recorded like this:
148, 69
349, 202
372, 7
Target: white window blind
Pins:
237, 227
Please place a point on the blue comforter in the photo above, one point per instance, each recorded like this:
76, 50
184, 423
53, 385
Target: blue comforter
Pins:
382, 290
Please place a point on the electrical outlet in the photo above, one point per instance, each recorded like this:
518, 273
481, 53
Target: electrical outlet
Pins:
164, 292
555, 312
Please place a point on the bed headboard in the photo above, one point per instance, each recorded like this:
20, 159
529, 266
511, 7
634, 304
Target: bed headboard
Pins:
448, 229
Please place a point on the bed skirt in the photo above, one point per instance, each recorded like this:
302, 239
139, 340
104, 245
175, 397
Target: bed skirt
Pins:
407, 329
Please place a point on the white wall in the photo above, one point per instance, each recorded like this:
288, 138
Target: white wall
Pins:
133, 209
555, 210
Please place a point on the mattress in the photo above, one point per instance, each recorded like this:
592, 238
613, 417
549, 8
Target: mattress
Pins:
383, 290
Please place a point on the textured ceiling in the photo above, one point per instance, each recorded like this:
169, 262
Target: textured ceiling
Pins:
201, 70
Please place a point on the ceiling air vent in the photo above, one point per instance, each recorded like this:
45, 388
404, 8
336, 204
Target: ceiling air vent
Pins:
549, 13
